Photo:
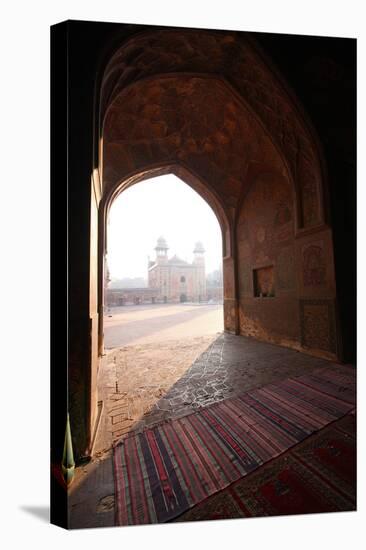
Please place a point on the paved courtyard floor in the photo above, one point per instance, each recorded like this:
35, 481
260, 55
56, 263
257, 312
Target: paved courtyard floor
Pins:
145, 382
150, 324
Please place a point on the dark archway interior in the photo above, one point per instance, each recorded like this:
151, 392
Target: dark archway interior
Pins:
281, 168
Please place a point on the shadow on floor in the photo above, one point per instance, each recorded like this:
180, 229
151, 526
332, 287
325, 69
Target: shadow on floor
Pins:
229, 366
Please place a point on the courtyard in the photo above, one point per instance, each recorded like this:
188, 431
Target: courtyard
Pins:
150, 324
148, 350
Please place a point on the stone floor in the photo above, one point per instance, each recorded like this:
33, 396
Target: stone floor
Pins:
143, 385
149, 324
137, 385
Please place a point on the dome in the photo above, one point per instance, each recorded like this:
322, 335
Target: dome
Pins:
175, 260
199, 247
161, 243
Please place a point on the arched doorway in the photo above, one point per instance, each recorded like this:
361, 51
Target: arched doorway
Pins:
162, 272
189, 178
149, 348
235, 133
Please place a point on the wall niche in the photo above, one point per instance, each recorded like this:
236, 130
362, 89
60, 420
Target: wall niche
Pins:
263, 282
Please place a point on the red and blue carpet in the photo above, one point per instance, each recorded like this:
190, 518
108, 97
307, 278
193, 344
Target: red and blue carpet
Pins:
318, 475
163, 471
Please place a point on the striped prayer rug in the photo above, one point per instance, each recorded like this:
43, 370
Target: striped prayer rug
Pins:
317, 475
163, 471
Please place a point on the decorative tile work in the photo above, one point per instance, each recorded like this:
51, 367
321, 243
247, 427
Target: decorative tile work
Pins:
314, 264
318, 329
251, 78
309, 198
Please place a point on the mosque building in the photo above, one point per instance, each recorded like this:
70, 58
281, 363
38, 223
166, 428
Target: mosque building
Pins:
175, 279
170, 280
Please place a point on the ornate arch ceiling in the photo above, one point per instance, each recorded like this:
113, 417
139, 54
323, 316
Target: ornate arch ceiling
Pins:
224, 56
191, 120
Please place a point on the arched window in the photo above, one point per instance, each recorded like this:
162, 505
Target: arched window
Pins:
182, 279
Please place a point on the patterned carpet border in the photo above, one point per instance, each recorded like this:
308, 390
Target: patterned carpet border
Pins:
163, 471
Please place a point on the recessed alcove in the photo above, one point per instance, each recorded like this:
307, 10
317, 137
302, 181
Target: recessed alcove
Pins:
263, 282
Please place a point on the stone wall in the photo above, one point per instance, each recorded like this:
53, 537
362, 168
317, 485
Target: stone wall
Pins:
286, 278
281, 257
130, 296
268, 295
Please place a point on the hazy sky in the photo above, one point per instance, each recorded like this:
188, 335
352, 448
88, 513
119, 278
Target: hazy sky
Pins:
160, 206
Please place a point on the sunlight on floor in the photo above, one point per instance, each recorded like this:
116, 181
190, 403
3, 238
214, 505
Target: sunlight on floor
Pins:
135, 379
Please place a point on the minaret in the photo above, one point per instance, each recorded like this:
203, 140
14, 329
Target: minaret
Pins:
160, 269
199, 254
161, 250
199, 263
